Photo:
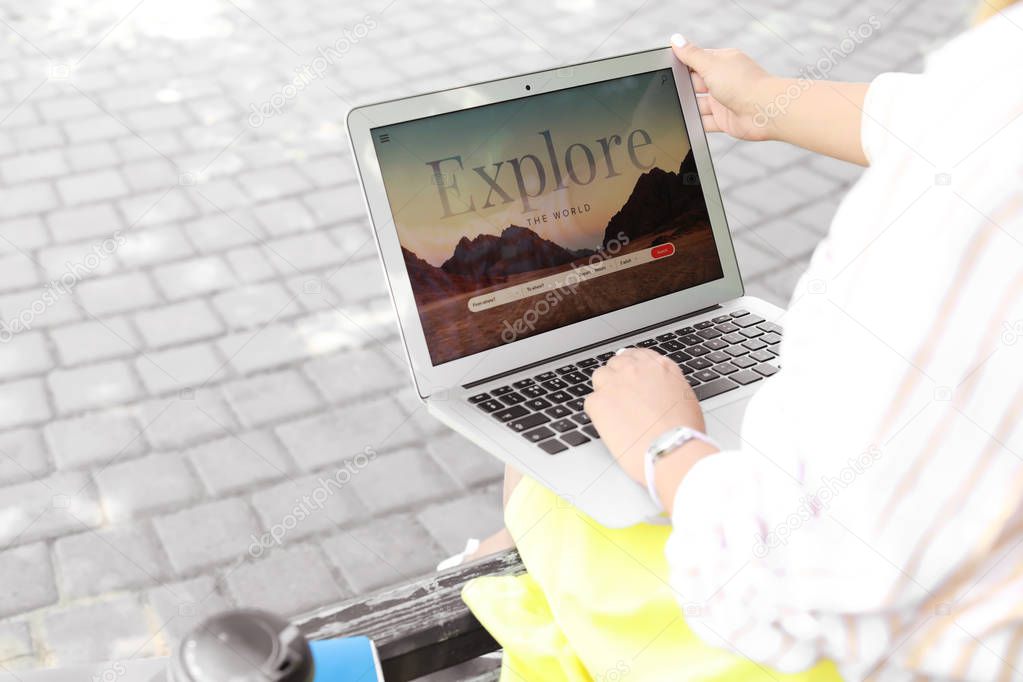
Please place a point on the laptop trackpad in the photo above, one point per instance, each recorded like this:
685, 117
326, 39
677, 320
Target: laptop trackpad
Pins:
725, 422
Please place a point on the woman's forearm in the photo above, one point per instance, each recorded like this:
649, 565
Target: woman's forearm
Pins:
822, 116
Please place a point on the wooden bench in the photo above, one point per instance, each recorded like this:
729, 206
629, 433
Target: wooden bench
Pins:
419, 627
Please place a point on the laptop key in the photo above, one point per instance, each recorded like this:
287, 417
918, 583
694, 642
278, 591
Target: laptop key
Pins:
699, 363
554, 384
706, 375
528, 422
725, 368
646, 343
537, 435
739, 313
721, 318
479, 397
581, 418
522, 383
754, 344
576, 405
666, 336
574, 377
537, 404
532, 391
552, 446
690, 339
770, 338
502, 390
546, 376
580, 390
565, 369
706, 324
558, 412
563, 425
680, 357
590, 431
727, 328
672, 346
490, 405
574, 438
733, 338
771, 327
713, 388
512, 399
751, 333
766, 369
509, 413
698, 350
748, 321
604, 357
715, 344
709, 333
746, 376
558, 396
588, 362
716, 357
685, 330
658, 349
736, 351
762, 355
743, 361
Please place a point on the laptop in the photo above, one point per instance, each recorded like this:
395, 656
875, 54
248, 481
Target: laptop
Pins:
531, 226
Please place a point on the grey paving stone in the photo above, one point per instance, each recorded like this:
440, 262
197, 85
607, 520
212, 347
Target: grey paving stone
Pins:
73, 263
426, 481
334, 436
26, 579
784, 236
103, 631
92, 386
256, 304
274, 584
20, 272
186, 418
22, 456
239, 462
452, 522
22, 234
116, 294
15, 644
23, 402
273, 183
118, 558
26, 199
91, 186
269, 346
182, 606
181, 368
383, 552
193, 277
219, 231
94, 439
47, 507
144, 246
303, 252
359, 280
24, 354
177, 323
270, 397
286, 216
36, 166
82, 222
249, 264
817, 217
464, 461
305, 505
205, 535
352, 375
136, 487
95, 340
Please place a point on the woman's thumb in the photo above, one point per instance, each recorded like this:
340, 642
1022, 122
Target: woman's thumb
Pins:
696, 58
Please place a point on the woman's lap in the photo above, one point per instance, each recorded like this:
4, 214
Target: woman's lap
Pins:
596, 604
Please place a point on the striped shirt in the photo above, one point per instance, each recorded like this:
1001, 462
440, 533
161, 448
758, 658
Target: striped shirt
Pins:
874, 514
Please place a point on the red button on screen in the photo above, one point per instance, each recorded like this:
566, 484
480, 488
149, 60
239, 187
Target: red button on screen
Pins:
662, 250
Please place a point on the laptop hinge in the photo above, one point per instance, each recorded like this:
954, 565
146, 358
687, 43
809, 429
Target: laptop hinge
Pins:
589, 346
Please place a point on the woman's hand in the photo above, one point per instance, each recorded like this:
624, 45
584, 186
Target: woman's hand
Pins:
637, 396
738, 97
734, 90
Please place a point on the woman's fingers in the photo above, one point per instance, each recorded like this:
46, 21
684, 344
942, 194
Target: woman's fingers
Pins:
710, 124
704, 103
689, 54
699, 85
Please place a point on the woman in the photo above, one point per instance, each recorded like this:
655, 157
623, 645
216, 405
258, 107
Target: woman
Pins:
870, 525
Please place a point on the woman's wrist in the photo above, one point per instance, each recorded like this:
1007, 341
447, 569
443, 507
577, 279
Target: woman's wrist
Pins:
672, 468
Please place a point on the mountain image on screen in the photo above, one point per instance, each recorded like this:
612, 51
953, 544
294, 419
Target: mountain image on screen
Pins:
661, 202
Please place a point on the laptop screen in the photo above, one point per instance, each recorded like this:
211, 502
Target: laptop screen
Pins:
524, 216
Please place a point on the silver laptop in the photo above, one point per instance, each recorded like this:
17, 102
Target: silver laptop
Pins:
529, 227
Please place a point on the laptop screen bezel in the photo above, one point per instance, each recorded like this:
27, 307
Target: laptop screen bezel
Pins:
431, 379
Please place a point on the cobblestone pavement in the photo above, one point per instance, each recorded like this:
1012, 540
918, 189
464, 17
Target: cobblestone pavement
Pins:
196, 332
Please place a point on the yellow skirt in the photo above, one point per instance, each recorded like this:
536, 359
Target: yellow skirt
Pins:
596, 605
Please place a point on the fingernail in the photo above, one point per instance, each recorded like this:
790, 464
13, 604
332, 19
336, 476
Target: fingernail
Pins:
678, 40
621, 350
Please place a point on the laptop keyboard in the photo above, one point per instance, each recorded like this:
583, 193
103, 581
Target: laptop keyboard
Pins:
716, 356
